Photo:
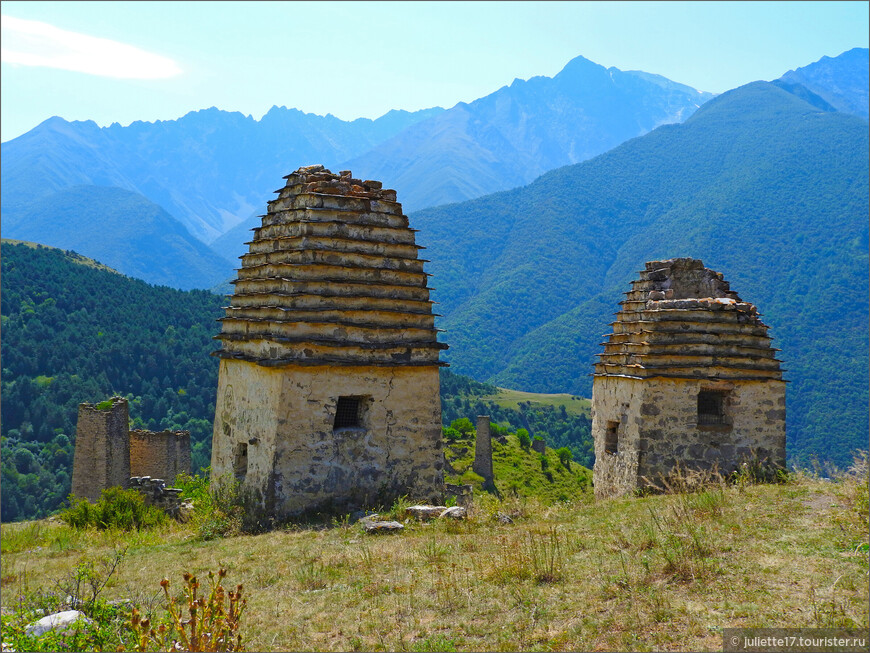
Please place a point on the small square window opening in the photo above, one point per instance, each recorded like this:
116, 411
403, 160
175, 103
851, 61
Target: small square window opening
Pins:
347, 413
711, 408
240, 461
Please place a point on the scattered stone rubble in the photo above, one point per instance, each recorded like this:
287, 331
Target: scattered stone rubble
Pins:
168, 499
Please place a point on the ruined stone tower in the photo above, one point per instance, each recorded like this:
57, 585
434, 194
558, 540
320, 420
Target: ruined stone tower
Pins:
159, 454
328, 391
688, 377
102, 454
108, 453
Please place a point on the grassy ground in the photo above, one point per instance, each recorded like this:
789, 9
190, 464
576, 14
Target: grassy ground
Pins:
512, 398
664, 572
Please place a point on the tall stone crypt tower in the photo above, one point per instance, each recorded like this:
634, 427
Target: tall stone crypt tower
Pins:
328, 394
688, 378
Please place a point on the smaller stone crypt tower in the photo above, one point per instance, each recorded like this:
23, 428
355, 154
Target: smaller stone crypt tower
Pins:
688, 378
328, 390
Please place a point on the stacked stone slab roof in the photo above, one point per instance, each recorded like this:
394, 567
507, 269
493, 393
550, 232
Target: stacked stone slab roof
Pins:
682, 320
332, 277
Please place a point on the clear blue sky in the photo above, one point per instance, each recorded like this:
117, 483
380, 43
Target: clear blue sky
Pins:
125, 61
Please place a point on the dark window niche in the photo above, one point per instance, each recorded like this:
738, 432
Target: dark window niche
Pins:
711, 408
611, 438
240, 461
348, 413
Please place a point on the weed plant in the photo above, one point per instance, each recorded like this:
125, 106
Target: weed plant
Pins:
210, 622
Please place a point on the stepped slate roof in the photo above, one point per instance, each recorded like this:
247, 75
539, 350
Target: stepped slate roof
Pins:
682, 320
331, 278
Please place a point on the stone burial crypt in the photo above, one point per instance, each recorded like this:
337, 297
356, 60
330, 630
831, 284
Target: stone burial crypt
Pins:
688, 378
328, 390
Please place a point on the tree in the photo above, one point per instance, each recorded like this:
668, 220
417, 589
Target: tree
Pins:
565, 456
463, 425
451, 433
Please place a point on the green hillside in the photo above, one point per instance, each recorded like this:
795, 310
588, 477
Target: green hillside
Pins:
759, 184
519, 471
75, 331
72, 333
507, 398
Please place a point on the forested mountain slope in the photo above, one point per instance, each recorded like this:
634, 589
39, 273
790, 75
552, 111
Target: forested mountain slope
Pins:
763, 186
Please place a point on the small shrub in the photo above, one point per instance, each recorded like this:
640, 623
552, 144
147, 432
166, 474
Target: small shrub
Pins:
565, 456
523, 437
117, 508
399, 508
451, 434
223, 508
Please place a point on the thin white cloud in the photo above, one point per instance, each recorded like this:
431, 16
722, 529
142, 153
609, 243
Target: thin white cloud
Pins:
34, 43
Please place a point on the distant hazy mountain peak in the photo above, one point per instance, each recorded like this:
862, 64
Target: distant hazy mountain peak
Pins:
843, 81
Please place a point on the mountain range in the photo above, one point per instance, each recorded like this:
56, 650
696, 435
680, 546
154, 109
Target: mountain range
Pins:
759, 183
214, 170
840, 81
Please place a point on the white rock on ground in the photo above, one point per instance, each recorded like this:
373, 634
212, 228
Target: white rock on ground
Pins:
425, 511
382, 526
455, 512
56, 621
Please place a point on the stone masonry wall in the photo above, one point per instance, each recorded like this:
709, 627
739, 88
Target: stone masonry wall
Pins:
616, 400
294, 459
754, 428
102, 453
159, 454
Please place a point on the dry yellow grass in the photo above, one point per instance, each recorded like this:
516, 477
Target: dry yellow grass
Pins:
664, 572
